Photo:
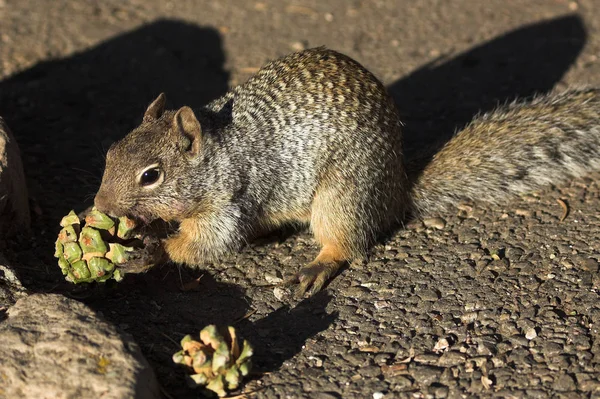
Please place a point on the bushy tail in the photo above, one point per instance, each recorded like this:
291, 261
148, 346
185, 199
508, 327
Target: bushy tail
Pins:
515, 149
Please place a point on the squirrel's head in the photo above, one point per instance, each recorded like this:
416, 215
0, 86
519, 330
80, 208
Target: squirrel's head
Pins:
144, 170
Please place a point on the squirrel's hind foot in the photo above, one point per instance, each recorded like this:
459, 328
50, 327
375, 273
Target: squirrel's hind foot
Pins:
314, 276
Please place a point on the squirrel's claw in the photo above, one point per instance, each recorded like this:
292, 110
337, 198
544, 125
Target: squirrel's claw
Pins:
313, 277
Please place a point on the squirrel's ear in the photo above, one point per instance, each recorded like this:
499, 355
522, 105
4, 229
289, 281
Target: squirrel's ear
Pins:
156, 109
188, 125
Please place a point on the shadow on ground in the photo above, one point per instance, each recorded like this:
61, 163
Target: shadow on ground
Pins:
443, 96
66, 112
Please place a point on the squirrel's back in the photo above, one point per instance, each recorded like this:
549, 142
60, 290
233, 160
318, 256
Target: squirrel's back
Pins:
515, 149
308, 121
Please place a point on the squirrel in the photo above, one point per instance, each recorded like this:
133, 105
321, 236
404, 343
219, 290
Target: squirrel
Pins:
314, 138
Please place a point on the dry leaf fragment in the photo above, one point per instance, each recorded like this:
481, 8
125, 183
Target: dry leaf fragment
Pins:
565, 209
486, 382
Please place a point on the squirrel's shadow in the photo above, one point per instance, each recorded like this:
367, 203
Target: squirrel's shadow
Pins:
444, 95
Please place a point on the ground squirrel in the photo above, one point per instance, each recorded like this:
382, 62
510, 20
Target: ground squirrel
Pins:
314, 138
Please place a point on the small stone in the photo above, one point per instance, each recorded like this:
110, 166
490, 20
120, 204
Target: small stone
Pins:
552, 349
328, 17
356, 292
273, 279
530, 333
589, 385
279, 293
590, 265
318, 361
564, 383
452, 358
438, 391
425, 375
426, 358
429, 295
441, 345
469, 317
401, 382
381, 304
524, 212
436, 223
378, 395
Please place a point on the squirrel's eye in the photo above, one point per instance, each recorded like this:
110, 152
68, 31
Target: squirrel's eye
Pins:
150, 176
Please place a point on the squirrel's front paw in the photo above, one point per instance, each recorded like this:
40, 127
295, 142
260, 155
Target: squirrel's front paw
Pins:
313, 276
144, 258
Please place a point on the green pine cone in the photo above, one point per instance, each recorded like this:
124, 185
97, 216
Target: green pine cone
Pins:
91, 250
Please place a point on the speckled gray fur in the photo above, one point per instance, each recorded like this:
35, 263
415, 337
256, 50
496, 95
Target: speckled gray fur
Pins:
295, 129
314, 137
517, 148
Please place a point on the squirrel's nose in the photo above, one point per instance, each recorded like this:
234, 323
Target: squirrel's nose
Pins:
102, 202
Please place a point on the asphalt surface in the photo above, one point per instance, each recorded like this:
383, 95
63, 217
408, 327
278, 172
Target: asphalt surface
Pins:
499, 302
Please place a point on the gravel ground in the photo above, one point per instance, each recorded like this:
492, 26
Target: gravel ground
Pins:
482, 301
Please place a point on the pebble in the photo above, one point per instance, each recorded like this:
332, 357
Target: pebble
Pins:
590, 265
589, 385
436, 223
318, 361
530, 333
357, 292
279, 293
452, 358
564, 383
469, 317
425, 375
273, 279
427, 359
428, 295
441, 345
401, 382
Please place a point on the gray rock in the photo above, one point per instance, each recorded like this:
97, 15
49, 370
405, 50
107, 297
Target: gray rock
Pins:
11, 288
55, 347
14, 201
